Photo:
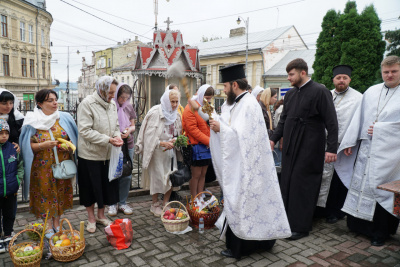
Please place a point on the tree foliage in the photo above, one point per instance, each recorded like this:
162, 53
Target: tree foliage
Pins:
393, 38
206, 39
353, 39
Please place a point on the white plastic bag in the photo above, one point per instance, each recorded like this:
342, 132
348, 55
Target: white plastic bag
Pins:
116, 163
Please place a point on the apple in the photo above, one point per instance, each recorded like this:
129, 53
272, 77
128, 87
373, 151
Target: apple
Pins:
172, 210
63, 236
167, 213
171, 216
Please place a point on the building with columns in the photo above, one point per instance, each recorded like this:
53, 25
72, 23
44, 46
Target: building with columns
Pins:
25, 47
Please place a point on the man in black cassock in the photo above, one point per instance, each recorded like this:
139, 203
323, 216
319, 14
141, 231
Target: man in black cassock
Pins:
307, 111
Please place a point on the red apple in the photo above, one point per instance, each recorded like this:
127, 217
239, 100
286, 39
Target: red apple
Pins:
171, 217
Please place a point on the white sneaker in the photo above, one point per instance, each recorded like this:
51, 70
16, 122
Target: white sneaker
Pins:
112, 210
125, 209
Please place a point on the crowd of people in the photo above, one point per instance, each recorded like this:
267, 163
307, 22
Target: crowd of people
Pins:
334, 146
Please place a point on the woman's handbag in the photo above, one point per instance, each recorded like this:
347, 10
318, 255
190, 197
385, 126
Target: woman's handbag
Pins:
128, 166
181, 176
65, 169
201, 152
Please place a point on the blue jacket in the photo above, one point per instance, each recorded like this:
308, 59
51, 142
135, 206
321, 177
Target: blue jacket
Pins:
12, 170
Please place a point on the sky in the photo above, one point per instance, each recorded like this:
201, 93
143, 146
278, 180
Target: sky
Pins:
74, 25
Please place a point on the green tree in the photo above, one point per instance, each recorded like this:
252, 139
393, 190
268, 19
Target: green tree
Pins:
358, 43
393, 38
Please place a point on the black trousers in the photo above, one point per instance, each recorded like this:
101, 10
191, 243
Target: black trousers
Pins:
383, 225
7, 207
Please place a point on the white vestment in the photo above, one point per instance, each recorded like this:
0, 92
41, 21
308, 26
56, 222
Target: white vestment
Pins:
375, 160
345, 104
245, 169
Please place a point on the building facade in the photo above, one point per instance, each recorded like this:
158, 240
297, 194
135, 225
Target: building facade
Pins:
86, 82
265, 49
25, 47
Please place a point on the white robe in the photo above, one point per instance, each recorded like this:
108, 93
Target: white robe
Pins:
375, 160
345, 104
245, 169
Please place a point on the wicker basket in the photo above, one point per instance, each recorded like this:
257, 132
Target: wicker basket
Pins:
71, 252
25, 261
209, 218
38, 228
175, 225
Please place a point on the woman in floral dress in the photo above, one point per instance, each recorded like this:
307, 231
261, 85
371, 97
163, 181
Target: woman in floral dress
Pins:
46, 192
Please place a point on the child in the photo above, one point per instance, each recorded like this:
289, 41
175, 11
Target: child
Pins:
11, 171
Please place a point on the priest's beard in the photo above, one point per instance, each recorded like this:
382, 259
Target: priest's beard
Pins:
230, 97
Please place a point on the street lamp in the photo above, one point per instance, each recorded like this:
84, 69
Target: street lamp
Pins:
246, 22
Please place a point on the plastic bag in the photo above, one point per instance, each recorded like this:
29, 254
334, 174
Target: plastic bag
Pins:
116, 163
120, 233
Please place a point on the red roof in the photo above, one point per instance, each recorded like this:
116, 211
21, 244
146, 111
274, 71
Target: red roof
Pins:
145, 52
192, 54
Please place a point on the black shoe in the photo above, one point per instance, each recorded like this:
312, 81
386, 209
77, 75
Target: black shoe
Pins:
175, 197
227, 253
377, 242
297, 235
332, 219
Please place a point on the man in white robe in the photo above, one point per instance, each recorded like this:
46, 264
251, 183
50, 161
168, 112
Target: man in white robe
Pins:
369, 156
346, 100
244, 166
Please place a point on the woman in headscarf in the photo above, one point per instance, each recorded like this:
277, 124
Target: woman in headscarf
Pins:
198, 131
47, 193
126, 119
256, 92
173, 86
155, 142
98, 131
268, 97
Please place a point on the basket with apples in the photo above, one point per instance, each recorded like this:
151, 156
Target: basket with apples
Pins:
67, 245
175, 219
203, 207
26, 253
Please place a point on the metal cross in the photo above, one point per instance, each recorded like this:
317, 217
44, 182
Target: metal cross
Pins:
168, 21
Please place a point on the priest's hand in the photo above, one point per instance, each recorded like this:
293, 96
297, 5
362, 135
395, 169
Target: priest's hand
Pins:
214, 125
330, 157
371, 129
272, 143
347, 151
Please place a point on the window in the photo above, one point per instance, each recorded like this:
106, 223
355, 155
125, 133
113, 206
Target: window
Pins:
4, 32
23, 64
127, 80
122, 79
6, 65
109, 62
31, 34
42, 32
22, 30
32, 67
218, 101
44, 69
220, 77
204, 72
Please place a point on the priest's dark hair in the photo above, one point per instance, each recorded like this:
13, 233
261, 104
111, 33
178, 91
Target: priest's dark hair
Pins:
242, 83
209, 91
298, 64
42, 95
390, 61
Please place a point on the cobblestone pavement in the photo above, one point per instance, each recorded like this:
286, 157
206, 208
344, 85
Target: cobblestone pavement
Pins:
327, 245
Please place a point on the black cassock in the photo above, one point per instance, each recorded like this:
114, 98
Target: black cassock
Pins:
307, 112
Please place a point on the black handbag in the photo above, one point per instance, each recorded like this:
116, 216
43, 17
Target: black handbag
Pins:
187, 154
181, 176
127, 167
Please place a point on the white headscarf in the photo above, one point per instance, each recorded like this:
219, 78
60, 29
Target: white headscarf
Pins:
256, 91
166, 107
200, 94
18, 115
40, 121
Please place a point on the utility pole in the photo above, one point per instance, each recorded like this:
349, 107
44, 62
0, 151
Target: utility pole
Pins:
67, 91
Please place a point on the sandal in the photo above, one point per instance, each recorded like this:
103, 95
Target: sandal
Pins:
91, 227
106, 222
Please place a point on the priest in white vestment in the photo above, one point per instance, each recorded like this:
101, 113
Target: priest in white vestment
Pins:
346, 100
369, 156
244, 165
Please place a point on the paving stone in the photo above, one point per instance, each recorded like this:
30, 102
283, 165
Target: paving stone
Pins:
356, 257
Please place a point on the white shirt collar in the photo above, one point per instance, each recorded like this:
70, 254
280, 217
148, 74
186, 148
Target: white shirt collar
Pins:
309, 79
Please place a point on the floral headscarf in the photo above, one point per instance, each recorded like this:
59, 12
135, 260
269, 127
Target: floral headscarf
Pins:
103, 86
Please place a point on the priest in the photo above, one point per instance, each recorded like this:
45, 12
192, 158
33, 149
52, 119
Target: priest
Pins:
369, 156
346, 101
254, 214
307, 111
